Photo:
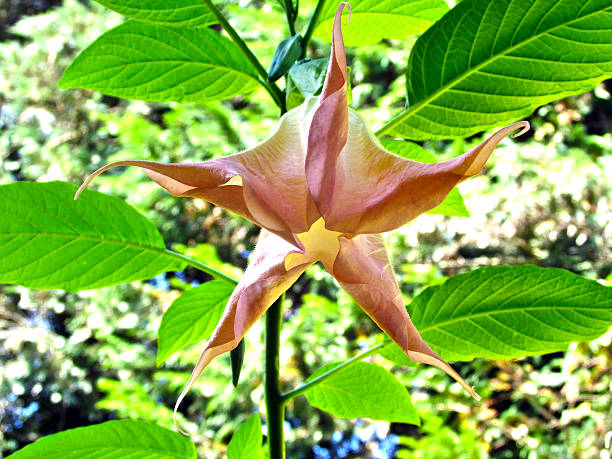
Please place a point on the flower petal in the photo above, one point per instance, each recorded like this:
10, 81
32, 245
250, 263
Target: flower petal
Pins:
266, 184
346, 165
363, 270
264, 281
329, 126
392, 190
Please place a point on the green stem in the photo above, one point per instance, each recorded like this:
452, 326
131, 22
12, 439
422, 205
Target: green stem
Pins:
290, 16
275, 408
390, 124
272, 88
201, 266
311, 26
286, 397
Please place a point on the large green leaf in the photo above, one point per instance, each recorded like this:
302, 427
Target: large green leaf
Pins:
192, 317
49, 240
139, 60
247, 440
374, 20
509, 312
490, 62
453, 205
183, 13
363, 390
111, 440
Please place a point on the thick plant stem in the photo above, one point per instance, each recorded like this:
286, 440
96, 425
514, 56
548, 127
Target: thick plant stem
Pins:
275, 406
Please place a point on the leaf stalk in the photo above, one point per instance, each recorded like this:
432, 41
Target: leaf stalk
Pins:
288, 396
201, 266
311, 26
274, 91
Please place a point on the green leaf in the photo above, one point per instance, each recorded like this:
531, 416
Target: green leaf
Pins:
373, 20
490, 62
363, 390
287, 52
453, 205
247, 440
192, 317
305, 79
138, 60
49, 240
509, 312
183, 13
113, 439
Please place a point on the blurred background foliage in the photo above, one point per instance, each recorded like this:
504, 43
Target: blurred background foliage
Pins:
76, 359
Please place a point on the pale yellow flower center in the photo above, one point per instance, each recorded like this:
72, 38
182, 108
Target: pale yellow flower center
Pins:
320, 244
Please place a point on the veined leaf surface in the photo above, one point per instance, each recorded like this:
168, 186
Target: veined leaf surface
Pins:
111, 440
183, 13
510, 312
49, 240
192, 317
247, 440
139, 60
363, 390
491, 62
374, 20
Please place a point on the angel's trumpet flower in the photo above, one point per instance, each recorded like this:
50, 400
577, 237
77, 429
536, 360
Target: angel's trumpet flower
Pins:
323, 189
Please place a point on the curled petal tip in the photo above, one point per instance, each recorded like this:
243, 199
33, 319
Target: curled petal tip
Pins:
174, 413
79, 191
93, 175
348, 5
525, 127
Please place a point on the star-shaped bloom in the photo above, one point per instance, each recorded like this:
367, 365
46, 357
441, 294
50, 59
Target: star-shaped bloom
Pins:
322, 189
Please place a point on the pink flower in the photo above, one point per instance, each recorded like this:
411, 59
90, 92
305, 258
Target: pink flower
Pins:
323, 189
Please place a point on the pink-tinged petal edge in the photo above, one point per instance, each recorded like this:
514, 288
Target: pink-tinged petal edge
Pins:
329, 126
345, 163
392, 190
264, 281
362, 268
265, 185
